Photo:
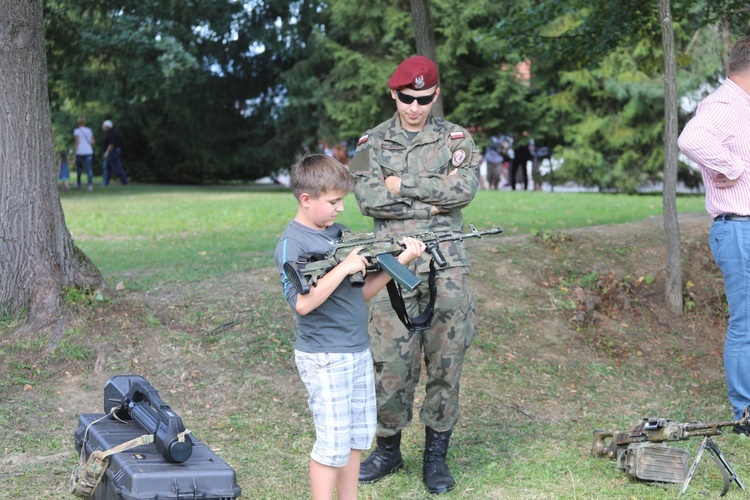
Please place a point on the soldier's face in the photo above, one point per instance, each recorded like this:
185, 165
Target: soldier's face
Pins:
321, 212
414, 114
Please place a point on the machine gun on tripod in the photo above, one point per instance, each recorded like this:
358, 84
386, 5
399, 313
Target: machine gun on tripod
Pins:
643, 452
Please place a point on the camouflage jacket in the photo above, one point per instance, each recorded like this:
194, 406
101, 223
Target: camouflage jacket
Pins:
424, 165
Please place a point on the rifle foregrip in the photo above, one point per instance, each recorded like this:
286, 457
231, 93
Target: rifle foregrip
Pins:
434, 250
357, 280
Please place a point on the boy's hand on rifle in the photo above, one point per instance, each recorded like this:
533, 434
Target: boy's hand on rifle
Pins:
354, 263
414, 248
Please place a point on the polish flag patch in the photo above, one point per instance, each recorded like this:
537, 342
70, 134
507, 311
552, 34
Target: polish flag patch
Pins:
362, 139
457, 135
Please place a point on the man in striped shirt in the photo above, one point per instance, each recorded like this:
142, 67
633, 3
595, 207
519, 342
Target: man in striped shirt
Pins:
718, 139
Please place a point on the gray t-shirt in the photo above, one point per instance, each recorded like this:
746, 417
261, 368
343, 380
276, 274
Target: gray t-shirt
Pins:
340, 323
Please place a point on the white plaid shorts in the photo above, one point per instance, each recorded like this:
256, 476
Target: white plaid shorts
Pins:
342, 401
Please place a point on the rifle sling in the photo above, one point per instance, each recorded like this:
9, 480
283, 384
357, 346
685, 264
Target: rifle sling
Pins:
424, 320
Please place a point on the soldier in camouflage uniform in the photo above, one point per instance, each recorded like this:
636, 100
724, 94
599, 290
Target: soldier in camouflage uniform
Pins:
414, 173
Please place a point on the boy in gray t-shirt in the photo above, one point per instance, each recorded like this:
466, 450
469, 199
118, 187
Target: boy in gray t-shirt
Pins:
332, 351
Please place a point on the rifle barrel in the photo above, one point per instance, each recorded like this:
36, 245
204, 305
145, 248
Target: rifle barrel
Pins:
695, 426
473, 234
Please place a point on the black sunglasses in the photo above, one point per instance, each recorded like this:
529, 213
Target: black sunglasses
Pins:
408, 99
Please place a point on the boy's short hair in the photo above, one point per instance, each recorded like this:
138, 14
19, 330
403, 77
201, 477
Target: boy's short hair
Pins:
316, 174
739, 56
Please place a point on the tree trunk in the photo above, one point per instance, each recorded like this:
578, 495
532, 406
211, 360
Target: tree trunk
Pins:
673, 290
424, 34
37, 254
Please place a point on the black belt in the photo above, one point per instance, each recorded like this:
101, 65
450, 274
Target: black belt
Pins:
732, 217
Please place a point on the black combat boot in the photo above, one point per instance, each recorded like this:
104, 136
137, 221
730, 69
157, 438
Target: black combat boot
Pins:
385, 460
435, 472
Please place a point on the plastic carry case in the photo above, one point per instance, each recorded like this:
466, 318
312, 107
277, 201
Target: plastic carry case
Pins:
142, 473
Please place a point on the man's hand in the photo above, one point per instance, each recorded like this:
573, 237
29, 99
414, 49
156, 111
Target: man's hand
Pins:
393, 184
722, 181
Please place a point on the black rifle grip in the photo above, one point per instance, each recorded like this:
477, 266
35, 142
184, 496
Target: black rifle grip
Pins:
357, 280
436, 254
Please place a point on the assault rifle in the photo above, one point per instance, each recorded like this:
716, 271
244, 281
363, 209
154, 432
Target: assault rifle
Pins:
643, 452
380, 253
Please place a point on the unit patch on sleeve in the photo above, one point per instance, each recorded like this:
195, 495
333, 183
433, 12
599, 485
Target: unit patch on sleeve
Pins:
457, 135
459, 157
362, 140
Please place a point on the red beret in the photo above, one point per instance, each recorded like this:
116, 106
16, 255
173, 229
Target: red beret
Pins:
416, 73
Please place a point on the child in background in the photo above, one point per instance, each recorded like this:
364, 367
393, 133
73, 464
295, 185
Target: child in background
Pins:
63, 172
332, 350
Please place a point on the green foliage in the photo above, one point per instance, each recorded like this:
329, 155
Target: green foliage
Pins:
7, 318
601, 67
614, 132
209, 90
550, 239
191, 87
80, 297
479, 84
73, 346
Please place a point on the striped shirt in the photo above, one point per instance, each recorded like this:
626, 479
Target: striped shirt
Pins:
718, 140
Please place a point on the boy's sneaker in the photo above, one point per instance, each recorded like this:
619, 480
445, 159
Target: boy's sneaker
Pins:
741, 429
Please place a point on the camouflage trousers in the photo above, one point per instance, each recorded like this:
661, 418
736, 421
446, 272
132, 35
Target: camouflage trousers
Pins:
397, 353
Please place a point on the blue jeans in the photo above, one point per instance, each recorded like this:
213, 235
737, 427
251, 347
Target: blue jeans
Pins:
81, 161
113, 163
730, 246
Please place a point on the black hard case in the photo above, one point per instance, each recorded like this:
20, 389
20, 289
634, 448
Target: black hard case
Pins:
142, 473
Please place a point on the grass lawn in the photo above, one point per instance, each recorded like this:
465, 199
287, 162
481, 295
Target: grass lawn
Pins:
572, 337
150, 235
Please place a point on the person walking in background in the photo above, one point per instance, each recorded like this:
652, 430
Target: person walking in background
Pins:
63, 171
84, 148
520, 162
494, 159
508, 154
718, 140
112, 154
341, 153
536, 165
332, 350
415, 172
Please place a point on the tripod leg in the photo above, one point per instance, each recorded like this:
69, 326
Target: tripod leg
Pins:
726, 470
697, 460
